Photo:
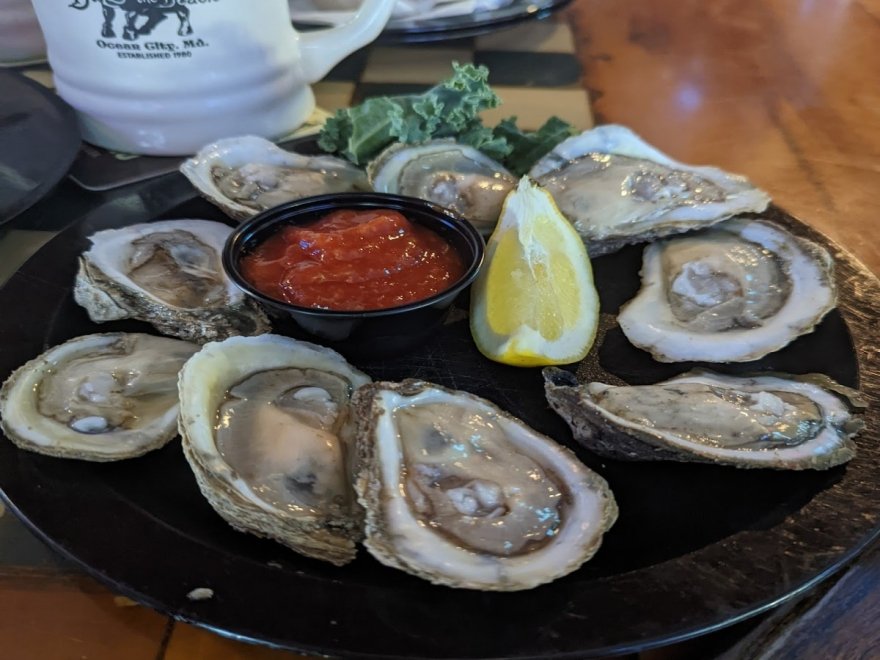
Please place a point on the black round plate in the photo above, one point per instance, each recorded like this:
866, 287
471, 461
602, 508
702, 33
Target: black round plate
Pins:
696, 547
466, 25
39, 139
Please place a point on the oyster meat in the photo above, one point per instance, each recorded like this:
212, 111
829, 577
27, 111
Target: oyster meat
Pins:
455, 176
101, 397
460, 493
168, 274
732, 293
764, 421
266, 428
248, 174
616, 190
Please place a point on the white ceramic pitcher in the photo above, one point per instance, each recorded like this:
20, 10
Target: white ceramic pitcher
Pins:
166, 77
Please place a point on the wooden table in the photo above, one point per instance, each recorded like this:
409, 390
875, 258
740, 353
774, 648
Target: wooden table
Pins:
786, 91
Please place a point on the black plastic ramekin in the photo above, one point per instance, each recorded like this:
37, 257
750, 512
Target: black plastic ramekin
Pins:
378, 333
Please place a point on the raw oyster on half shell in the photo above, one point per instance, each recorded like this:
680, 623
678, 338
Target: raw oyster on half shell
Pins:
266, 428
616, 190
455, 176
732, 293
461, 493
248, 174
169, 274
100, 397
764, 421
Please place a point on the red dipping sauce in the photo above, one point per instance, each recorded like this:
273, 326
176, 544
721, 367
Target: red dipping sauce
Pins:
353, 261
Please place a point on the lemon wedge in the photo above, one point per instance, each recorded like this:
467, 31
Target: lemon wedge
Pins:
534, 302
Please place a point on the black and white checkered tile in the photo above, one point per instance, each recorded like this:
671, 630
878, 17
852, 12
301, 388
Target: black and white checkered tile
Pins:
532, 67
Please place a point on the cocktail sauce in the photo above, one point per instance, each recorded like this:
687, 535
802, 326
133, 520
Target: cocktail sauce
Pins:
353, 261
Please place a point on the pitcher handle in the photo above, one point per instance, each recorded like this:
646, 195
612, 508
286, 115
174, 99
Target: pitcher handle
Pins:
321, 50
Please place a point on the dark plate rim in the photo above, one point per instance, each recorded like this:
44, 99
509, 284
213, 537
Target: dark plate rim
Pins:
461, 27
858, 289
67, 151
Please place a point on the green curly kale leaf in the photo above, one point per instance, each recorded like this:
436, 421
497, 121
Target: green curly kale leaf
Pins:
527, 148
453, 106
450, 109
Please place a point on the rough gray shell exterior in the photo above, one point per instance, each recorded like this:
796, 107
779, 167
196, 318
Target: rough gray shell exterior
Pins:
599, 434
203, 383
108, 300
327, 540
380, 541
615, 140
151, 441
808, 267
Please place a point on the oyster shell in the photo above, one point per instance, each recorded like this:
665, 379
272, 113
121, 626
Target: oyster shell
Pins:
168, 274
455, 176
101, 397
248, 174
765, 421
265, 427
732, 293
616, 190
460, 493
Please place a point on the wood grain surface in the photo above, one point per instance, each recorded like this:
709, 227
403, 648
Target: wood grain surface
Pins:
787, 93
784, 91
